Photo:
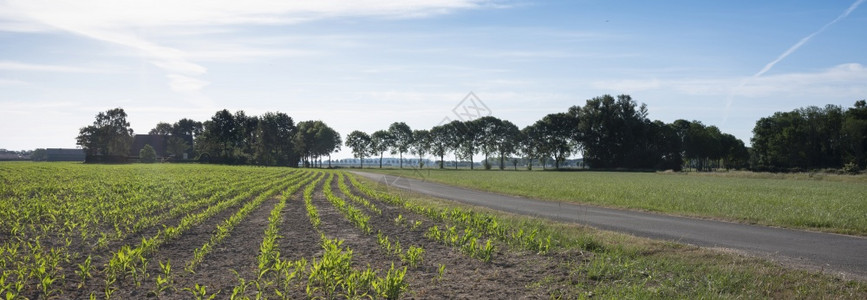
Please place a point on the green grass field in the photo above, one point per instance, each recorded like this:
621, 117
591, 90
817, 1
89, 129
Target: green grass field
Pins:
832, 204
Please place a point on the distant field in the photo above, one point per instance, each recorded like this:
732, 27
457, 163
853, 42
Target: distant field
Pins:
832, 204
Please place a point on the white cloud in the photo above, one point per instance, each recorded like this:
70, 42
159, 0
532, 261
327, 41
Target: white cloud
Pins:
846, 80
180, 83
121, 21
19, 66
11, 82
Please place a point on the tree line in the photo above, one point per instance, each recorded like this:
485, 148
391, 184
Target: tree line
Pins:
272, 139
609, 132
812, 138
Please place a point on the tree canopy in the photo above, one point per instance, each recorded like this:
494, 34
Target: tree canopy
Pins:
108, 139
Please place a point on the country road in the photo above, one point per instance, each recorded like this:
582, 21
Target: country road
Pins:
822, 251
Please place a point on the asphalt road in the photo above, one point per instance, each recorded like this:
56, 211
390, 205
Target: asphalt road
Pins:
834, 253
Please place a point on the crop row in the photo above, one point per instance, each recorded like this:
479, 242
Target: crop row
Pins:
473, 222
328, 276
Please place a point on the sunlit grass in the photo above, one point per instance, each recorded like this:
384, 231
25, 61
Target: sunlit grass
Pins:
608, 265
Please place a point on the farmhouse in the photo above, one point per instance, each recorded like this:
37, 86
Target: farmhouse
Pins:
160, 144
63, 154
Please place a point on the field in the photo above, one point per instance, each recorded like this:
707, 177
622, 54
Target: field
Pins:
196, 231
824, 203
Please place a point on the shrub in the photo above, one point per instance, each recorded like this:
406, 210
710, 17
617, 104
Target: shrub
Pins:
147, 154
851, 168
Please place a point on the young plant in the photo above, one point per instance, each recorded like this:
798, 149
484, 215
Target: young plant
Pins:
164, 281
200, 292
414, 255
440, 272
393, 284
84, 270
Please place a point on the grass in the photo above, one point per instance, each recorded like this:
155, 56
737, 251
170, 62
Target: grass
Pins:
824, 202
609, 265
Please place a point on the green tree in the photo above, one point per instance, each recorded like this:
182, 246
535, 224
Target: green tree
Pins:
508, 138
440, 141
360, 144
245, 149
315, 139
854, 135
187, 127
555, 136
806, 138
273, 139
176, 146
110, 135
162, 128
147, 154
465, 142
487, 136
219, 137
381, 141
402, 139
530, 145
421, 145
39, 155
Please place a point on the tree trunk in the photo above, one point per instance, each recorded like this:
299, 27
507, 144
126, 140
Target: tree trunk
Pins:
442, 161
401, 160
380, 160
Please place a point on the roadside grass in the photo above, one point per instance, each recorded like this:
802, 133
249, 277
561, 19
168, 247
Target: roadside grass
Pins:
610, 265
831, 203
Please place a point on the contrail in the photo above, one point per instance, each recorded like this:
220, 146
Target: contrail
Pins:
785, 54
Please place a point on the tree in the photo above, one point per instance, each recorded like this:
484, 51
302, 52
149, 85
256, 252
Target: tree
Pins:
381, 141
219, 137
507, 140
360, 144
613, 133
402, 139
487, 138
465, 143
246, 137
110, 135
315, 139
328, 141
187, 127
854, 134
439, 142
530, 145
273, 139
421, 145
555, 136
162, 128
806, 138
147, 154
176, 146
39, 155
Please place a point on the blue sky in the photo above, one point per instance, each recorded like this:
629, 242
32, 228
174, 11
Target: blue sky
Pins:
367, 64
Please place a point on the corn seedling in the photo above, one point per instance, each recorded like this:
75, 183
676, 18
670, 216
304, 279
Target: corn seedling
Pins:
413, 256
200, 292
393, 284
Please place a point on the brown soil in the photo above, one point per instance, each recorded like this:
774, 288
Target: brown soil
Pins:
512, 274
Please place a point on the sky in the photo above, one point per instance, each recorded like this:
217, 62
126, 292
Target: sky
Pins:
364, 64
